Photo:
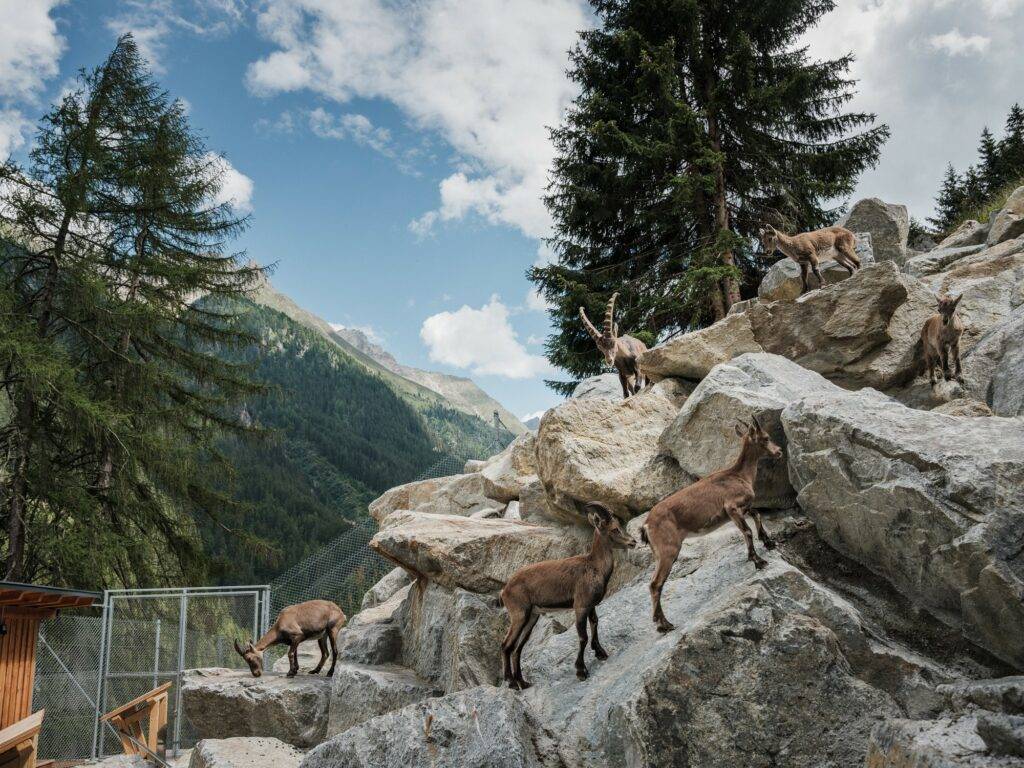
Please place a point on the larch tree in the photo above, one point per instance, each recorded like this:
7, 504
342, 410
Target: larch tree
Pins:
114, 238
696, 122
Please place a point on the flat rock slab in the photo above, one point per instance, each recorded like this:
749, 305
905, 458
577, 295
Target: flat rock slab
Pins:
244, 752
948, 742
932, 503
694, 354
483, 727
477, 555
453, 495
223, 703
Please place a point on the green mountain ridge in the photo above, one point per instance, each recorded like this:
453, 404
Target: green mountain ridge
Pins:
342, 430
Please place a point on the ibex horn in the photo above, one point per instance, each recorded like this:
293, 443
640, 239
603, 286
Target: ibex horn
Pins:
609, 313
238, 648
756, 422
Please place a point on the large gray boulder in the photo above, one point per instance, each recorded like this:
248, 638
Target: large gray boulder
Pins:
508, 472
452, 638
936, 261
454, 495
385, 589
606, 450
1009, 222
702, 438
361, 692
244, 752
483, 727
605, 385
782, 282
861, 332
888, 224
948, 742
694, 354
999, 352
971, 232
222, 703
932, 503
373, 636
476, 555
991, 283
765, 667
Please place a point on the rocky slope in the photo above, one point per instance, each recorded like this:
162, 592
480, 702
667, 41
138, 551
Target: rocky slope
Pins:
886, 631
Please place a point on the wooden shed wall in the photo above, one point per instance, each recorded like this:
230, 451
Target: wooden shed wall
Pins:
17, 664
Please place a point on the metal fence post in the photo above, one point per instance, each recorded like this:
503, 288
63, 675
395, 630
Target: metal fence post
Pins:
101, 672
182, 631
156, 657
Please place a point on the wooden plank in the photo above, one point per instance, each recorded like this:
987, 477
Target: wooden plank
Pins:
145, 698
17, 668
21, 731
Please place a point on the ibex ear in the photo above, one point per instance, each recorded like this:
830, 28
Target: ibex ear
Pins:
251, 647
957, 300
741, 429
595, 519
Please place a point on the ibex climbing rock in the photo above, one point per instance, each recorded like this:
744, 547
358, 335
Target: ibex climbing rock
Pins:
727, 494
806, 249
623, 352
321, 619
578, 582
940, 340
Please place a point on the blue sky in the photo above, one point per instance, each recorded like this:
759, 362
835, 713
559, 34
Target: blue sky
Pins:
393, 154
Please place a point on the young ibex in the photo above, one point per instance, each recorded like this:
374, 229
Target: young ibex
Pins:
578, 582
940, 340
700, 508
621, 351
805, 249
321, 619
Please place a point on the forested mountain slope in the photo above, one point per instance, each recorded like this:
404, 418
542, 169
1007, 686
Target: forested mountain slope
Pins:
339, 435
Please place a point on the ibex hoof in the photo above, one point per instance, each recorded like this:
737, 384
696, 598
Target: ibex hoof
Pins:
768, 543
582, 674
291, 674
601, 654
523, 685
760, 563
666, 626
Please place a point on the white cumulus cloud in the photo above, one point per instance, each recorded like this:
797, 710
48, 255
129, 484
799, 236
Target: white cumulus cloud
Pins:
487, 75
956, 43
236, 189
30, 50
481, 341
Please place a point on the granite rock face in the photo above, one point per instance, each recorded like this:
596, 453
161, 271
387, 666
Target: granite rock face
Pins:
693, 355
453, 495
362, 692
888, 224
242, 752
933, 503
1009, 222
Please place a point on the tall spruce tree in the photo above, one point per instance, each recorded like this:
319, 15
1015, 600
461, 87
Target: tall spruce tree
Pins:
949, 202
132, 191
989, 163
1011, 148
695, 123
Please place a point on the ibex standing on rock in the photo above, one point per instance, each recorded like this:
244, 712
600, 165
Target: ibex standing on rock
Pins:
940, 340
724, 495
321, 619
621, 351
806, 249
577, 582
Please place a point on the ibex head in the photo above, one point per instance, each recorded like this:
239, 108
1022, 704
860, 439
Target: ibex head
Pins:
606, 339
756, 435
252, 657
606, 523
947, 306
769, 239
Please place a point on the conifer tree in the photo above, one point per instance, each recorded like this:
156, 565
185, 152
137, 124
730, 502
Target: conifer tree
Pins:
1011, 148
949, 202
989, 164
695, 123
117, 235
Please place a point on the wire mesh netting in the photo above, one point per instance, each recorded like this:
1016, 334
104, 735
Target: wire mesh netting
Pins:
67, 677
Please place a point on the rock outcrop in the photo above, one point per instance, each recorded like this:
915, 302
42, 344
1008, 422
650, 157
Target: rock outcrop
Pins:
702, 438
241, 752
934, 504
455, 495
888, 224
607, 451
361, 692
939, 259
971, 232
506, 474
605, 386
1009, 222
225, 703
693, 355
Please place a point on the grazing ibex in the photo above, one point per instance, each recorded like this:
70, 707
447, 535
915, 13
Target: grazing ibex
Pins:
699, 508
621, 351
805, 249
940, 339
321, 619
578, 582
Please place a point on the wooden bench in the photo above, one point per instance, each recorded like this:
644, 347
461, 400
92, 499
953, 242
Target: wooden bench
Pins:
127, 721
18, 742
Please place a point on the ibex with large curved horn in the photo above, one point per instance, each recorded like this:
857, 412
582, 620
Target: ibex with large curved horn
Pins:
621, 351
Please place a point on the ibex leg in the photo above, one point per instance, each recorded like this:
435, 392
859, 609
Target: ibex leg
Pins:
581, 630
517, 654
666, 553
293, 658
762, 534
333, 636
804, 272
322, 643
595, 644
736, 516
517, 620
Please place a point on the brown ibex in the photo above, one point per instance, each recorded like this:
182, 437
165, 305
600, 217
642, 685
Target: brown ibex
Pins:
623, 352
805, 249
940, 339
321, 619
705, 505
578, 582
